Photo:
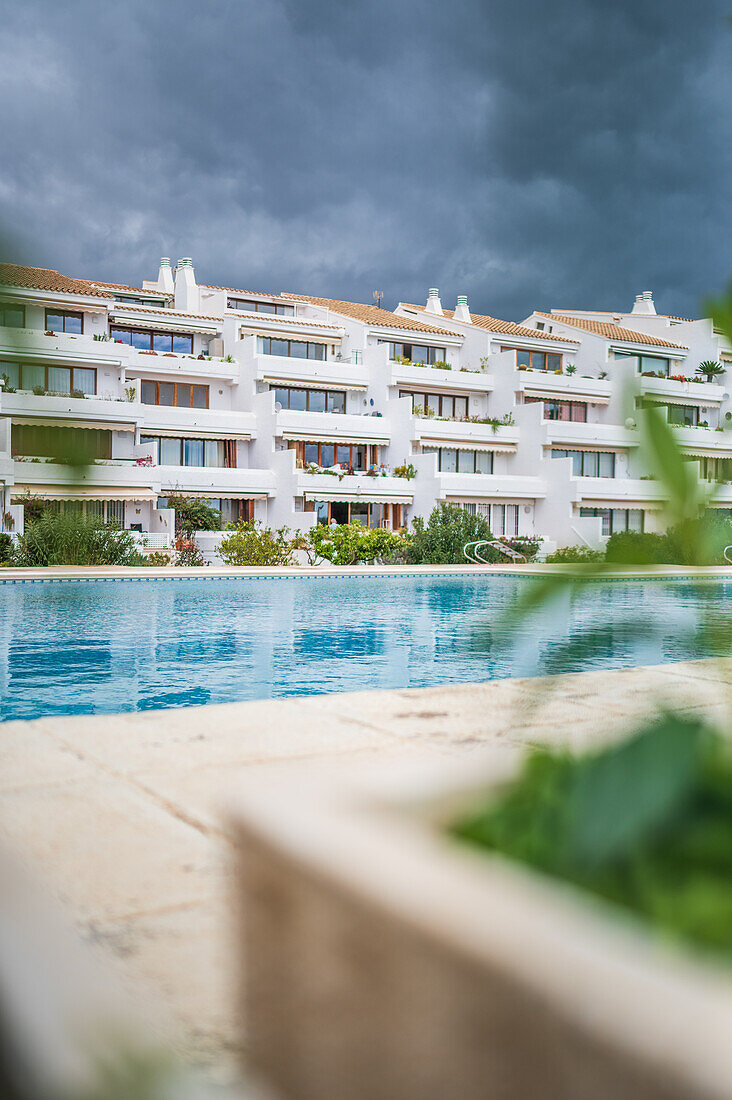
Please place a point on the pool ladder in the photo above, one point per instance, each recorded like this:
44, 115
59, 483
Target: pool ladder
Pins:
471, 550
726, 555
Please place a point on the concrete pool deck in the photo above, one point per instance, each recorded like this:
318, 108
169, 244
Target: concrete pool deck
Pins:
231, 572
123, 817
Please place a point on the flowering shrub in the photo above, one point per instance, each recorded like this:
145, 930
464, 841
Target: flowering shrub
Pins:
253, 544
350, 543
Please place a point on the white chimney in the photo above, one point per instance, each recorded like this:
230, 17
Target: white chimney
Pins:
434, 305
186, 288
165, 275
644, 303
462, 313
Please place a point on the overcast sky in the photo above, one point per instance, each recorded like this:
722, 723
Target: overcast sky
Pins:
528, 153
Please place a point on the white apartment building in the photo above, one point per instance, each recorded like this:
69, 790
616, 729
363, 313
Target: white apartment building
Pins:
296, 409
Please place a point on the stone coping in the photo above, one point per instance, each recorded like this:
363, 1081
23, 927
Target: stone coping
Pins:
124, 817
13, 575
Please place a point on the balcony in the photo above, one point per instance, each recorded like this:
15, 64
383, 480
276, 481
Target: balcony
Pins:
432, 432
565, 387
202, 423
281, 370
62, 348
332, 427
114, 479
618, 492
145, 363
216, 481
434, 378
384, 489
493, 486
570, 433
60, 411
691, 393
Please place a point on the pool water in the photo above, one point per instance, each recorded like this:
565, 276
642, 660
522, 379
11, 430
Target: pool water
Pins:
101, 646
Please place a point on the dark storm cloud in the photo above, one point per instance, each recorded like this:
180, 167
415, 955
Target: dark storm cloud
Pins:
527, 154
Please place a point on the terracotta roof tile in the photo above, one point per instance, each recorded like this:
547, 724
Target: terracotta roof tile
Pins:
611, 331
133, 289
371, 315
504, 328
245, 293
164, 312
45, 278
286, 322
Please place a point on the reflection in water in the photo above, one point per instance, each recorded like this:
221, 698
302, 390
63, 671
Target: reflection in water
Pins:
85, 647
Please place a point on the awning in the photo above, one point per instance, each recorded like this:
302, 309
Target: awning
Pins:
658, 399
284, 334
155, 324
301, 436
605, 448
352, 496
67, 492
629, 502
463, 445
564, 395
708, 452
310, 384
212, 494
195, 433
37, 421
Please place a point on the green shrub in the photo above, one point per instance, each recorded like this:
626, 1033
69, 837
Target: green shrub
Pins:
571, 554
193, 514
441, 539
68, 538
693, 542
349, 543
6, 548
157, 558
639, 548
700, 541
254, 544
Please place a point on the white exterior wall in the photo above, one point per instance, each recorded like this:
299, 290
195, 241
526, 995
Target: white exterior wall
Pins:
241, 408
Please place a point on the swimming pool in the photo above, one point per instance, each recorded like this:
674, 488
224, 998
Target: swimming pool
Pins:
100, 646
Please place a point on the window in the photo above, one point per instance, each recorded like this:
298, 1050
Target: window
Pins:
616, 519
176, 451
251, 306
424, 354
561, 410
589, 463
148, 340
367, 514
453, 461
684, 415
12, 316
504, 520
352, 456
292, 349
64, 321
182, 394
301, 400
40, 441
646, 363
63, 380
454, 406
537, 360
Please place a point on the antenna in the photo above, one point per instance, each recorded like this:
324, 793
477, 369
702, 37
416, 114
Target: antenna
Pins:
378, 295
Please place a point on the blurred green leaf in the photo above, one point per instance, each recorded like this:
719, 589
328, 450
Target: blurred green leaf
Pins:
623, 794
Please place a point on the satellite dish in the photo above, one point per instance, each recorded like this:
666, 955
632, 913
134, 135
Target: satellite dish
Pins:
278, 406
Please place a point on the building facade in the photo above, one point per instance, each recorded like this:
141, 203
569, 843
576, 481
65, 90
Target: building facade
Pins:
296, 410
